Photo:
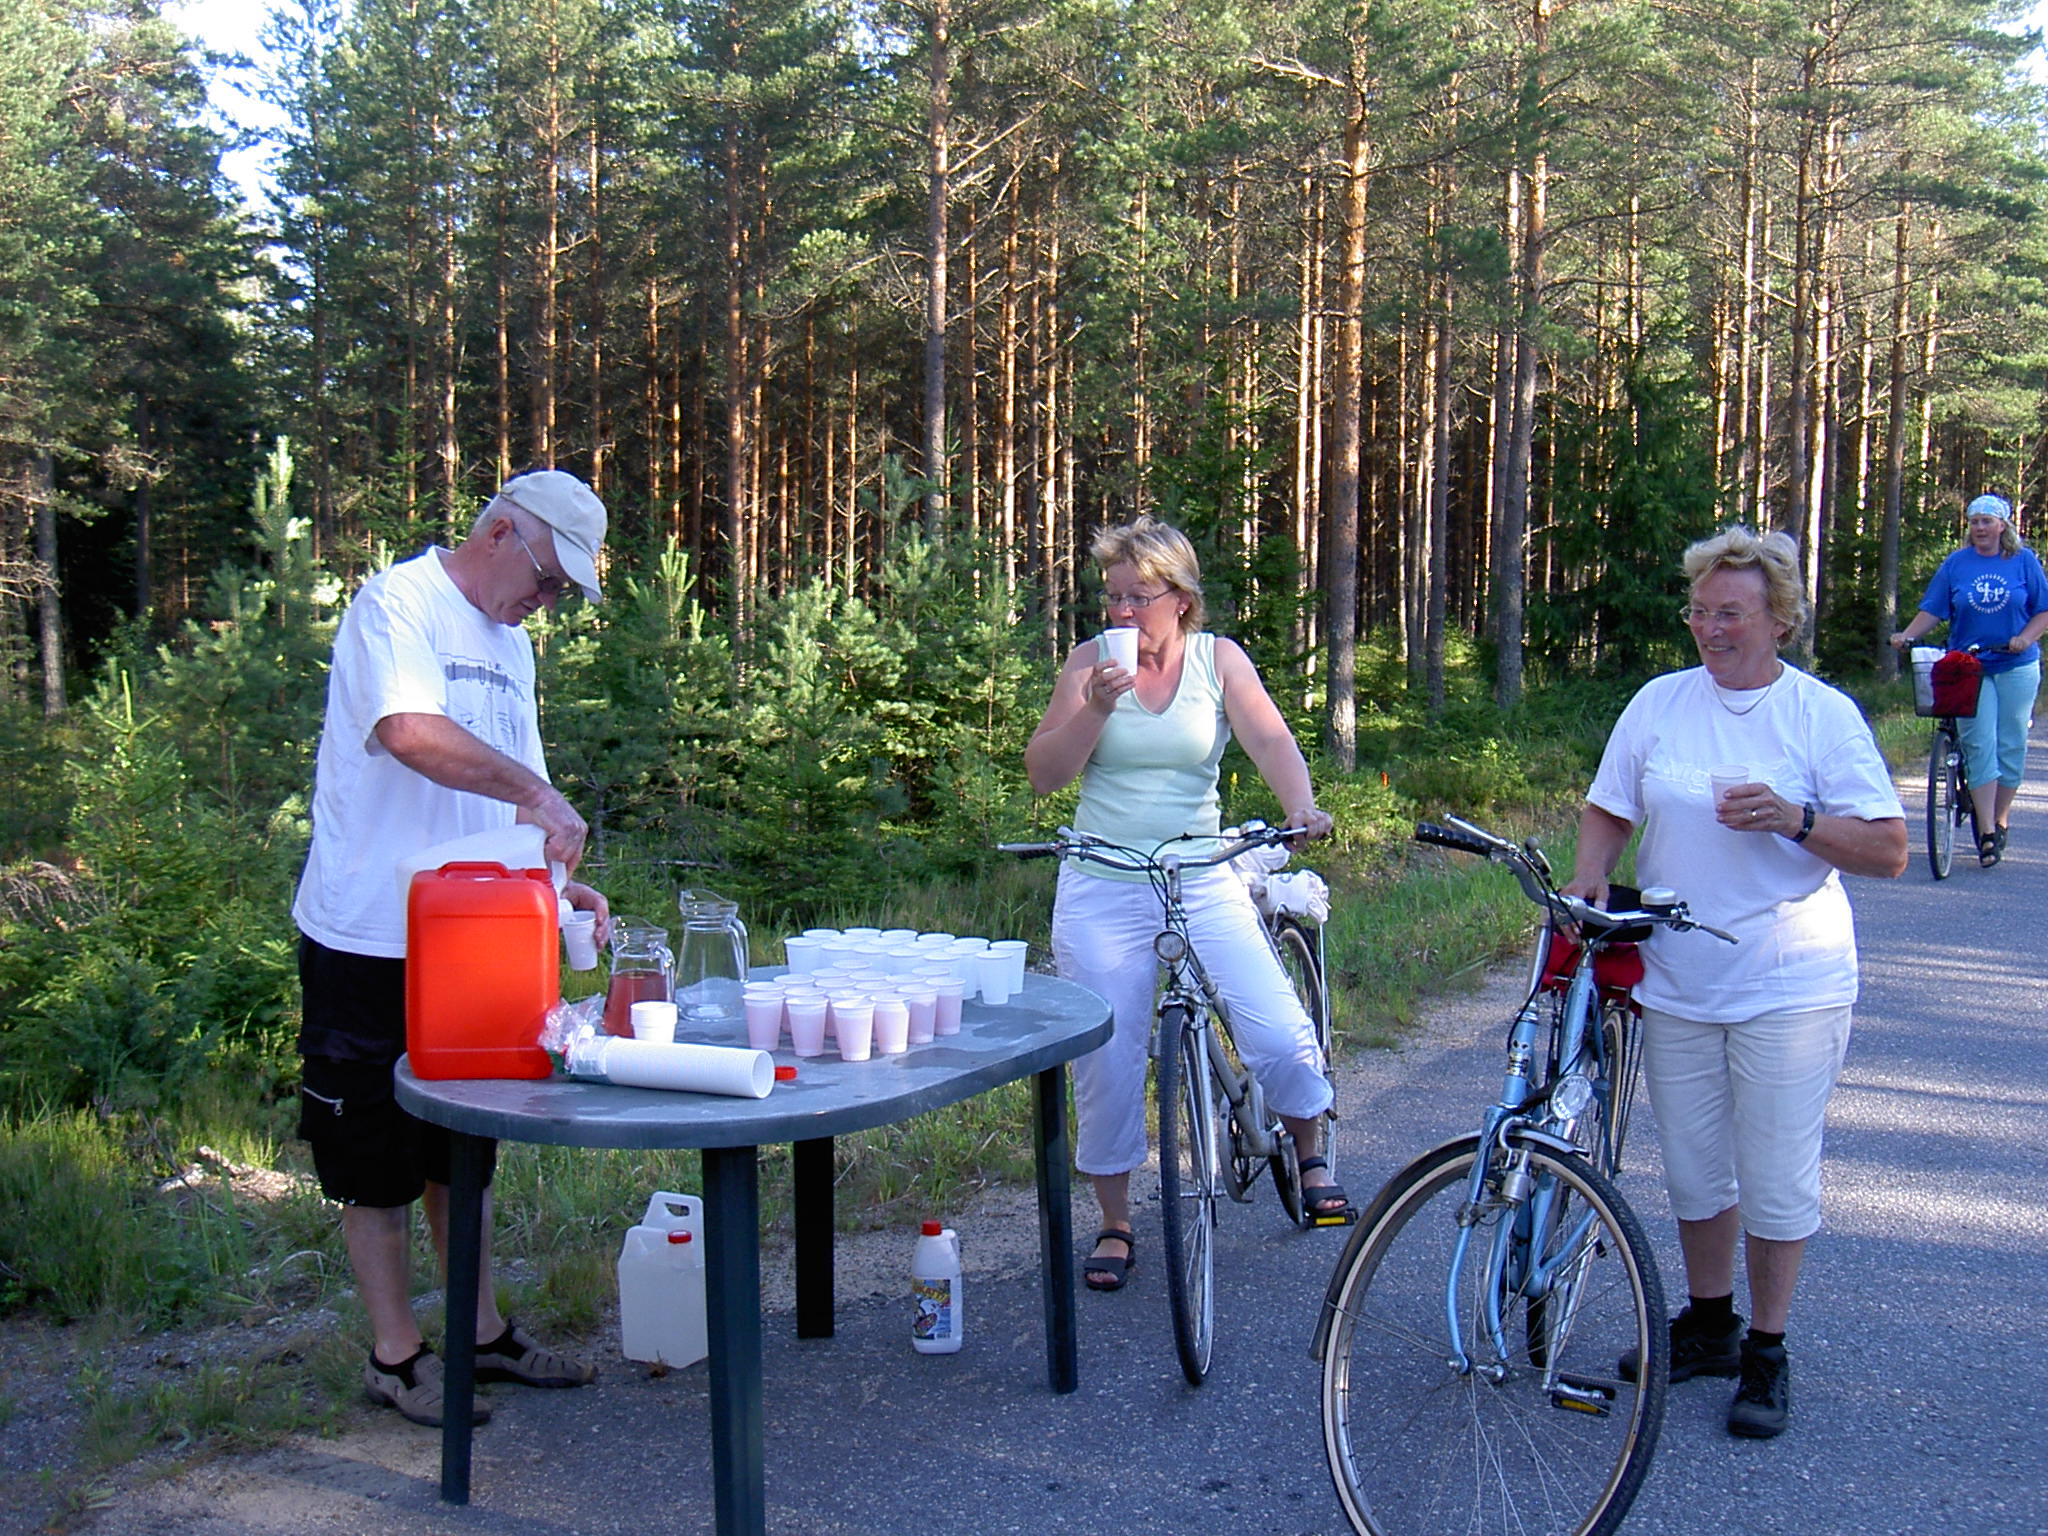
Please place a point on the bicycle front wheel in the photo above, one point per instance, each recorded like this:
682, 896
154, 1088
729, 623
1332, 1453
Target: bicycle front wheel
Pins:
1189, 1187
1941, 804
1548, 1439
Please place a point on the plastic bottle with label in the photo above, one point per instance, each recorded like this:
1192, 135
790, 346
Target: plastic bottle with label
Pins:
935, 1327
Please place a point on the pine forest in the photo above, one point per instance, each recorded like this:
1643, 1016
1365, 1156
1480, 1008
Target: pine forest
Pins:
1441, 327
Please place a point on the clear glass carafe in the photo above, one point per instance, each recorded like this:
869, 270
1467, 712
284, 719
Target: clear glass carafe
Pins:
711, 960
643, 970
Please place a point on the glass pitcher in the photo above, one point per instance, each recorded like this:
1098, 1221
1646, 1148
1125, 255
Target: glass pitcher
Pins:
711, 962
643, 971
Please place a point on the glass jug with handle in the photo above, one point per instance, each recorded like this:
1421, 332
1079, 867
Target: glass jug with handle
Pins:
643, 971
711, 962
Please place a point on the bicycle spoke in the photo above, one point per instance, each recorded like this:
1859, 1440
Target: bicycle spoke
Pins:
1417, 1449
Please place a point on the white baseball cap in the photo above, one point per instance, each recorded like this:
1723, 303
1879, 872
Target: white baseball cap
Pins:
571, 509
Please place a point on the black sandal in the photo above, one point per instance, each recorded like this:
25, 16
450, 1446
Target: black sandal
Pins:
1118, 1270
1990, 849
1315, 1199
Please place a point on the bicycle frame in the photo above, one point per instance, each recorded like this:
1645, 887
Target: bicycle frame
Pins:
1187, 984
1548, 1113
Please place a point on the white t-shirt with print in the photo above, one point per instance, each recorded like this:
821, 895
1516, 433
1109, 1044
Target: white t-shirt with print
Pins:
1786, 907
410, 643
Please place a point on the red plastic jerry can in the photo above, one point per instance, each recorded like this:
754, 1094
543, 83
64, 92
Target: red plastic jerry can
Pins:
482, 968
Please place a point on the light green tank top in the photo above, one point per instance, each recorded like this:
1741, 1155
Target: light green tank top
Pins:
1152, 775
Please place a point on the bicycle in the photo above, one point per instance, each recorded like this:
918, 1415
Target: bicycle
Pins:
1216, 1133
1472, 1335
1948, 794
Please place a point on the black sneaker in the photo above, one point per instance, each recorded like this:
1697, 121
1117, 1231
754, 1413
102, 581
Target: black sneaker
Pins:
1695, 1352
1764, 1399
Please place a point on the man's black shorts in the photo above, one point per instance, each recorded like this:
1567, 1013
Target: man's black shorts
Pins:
366, 1149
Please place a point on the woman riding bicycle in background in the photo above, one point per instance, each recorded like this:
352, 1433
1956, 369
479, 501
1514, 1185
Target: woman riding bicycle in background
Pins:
1145, 747
1992, 594
1741, 1046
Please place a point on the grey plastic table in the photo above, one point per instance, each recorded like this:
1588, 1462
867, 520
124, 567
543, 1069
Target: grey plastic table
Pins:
1034, 1035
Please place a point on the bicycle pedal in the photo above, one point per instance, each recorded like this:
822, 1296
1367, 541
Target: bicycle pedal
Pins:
1348, 1217
1582, 1396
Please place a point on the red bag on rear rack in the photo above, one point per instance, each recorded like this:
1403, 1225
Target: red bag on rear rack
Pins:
1957, 677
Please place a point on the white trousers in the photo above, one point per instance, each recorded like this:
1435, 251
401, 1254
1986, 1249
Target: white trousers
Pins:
1740, 1109
1102, 932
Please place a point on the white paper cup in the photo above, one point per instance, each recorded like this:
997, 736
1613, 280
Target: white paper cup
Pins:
992, 975
862, 933
1120, 645
803, 952
821, 933
895, 936
946, 1007
932, 940
967, 944
892, 1025
806, 1024
853, 1026
654, 1021
1015, 951
579, 940
1724, 777
923, 1003
764, 1022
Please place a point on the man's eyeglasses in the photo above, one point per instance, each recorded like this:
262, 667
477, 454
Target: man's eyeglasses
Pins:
1137, 602
548, 586
1727, 618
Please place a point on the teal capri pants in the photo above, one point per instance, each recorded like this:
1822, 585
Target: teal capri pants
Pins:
1995, 738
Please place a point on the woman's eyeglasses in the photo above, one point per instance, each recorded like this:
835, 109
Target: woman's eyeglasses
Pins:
1727, 618
1137, 602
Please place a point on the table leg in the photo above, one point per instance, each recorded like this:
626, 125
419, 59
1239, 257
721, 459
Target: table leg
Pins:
467, 1158
812, 1174
732, 1206
1056, 1228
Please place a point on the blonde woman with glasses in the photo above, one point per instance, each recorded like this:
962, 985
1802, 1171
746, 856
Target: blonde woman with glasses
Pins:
1755, 788
1145, 745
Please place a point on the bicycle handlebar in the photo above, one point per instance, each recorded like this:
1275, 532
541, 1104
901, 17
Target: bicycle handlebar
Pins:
1532, 870
1101, 850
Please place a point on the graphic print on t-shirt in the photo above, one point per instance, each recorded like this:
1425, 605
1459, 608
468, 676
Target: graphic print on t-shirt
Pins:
485, 700
1989, 594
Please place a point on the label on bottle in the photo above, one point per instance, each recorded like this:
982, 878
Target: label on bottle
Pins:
934, 1298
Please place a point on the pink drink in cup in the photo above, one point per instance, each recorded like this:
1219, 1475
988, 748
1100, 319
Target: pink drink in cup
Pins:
923, 1002
764, 1020
892, 1025
806, 1023
853, 1025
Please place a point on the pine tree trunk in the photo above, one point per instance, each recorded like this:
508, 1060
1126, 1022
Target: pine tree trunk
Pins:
49, 604
938, 195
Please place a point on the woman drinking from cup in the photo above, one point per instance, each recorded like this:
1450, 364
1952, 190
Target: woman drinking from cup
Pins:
1993, 595
1741, 1046
1145, 744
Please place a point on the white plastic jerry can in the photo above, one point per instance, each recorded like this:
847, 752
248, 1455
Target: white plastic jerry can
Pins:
661, 1283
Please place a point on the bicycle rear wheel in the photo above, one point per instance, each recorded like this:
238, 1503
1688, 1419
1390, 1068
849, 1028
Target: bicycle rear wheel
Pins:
1544, 1441
1941, 803
1189, 1187
1300, 959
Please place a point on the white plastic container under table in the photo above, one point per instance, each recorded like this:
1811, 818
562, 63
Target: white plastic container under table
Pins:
661, 1283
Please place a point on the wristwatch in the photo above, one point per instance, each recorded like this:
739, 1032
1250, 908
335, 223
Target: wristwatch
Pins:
1805, 823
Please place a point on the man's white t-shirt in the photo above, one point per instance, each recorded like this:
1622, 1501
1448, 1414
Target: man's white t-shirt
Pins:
1787, 908
410, 643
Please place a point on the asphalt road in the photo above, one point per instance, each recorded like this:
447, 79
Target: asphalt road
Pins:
1918, 1346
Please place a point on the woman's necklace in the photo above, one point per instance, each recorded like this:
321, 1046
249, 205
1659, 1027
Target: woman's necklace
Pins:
1764, 693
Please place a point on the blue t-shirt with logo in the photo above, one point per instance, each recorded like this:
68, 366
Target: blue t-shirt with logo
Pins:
1987, 599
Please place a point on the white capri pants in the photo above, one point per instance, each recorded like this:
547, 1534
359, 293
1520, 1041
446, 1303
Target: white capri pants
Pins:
1740, 1108
1102, 932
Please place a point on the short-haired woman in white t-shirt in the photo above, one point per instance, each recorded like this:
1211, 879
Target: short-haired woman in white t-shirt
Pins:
1145, 747
1741, 1047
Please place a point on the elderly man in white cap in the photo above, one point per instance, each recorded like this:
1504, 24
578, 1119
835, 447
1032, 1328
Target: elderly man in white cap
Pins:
432, 733
1993, 595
